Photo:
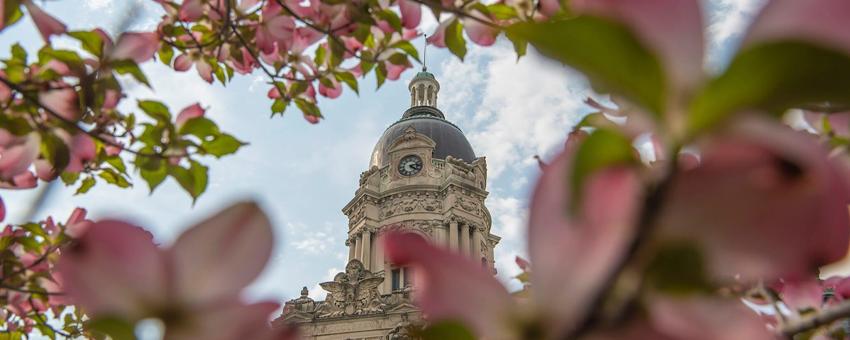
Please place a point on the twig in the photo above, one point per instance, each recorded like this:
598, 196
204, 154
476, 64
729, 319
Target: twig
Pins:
651, 209
842, 310
54, 114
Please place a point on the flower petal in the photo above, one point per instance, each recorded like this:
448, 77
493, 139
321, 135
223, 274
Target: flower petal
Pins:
191, 10
191, 111
46, 24
703, 318
204, 70
580, 250
411, 13
820, 21
16, 159
766, 202
2, 210
63, 101
182, 63
672, 28
138, 46
447, 282
115, 269
218, 257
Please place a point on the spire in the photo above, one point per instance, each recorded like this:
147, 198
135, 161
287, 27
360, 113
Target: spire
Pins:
423, 89
423, 92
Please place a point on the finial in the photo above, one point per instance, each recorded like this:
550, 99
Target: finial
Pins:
425, 54
304, 292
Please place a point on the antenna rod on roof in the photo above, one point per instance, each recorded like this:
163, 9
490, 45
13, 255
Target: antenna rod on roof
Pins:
425, 54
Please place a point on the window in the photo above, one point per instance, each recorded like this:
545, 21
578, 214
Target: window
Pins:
408, 276
396, 279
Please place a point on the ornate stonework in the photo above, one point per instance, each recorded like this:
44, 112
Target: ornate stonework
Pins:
424, 179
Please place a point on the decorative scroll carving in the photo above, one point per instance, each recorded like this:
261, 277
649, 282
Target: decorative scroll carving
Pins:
411, 203
354, 292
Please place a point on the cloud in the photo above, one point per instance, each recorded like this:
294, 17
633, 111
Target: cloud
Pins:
512, 110
726, 21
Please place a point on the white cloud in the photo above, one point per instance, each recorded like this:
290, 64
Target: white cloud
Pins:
513, 110
726, 20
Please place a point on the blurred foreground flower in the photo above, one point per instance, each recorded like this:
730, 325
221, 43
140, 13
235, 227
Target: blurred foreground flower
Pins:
116, 273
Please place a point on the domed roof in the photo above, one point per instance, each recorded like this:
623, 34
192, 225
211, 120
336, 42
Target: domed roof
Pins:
449, 138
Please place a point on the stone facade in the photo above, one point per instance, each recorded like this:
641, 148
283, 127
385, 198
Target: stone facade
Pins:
413, 188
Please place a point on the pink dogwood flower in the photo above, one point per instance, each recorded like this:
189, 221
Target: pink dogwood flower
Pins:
46, 24
193, 287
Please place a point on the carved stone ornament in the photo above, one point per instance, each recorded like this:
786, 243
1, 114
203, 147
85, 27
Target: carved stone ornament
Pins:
354, 292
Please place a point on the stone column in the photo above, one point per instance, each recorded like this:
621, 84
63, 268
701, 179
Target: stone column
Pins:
378, 265
366, 255
464, 239
453, 235
351, 245
358, 244
477, 238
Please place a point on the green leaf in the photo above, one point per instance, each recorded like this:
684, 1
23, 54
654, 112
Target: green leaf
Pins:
611, 56
165, 53
773, 77
114, 178
502, 11
87, 184
19, 53
391, 18
11, 12
70, 58
91, 41
279, 106
200, 127
54, 150
155, 110
678, 269
116, 163
446, 330
380, 74
193, 179
604, 148
223, 144
127, 66
408, 48
520, 44
153, 171
115, 328
348, 79
307, 107
454, 39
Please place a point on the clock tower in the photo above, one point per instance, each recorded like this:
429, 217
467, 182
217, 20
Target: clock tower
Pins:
424, 178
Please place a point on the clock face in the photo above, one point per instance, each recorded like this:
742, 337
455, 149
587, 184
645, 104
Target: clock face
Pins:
410, 165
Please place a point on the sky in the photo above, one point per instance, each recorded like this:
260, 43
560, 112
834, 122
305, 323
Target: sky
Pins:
302, 175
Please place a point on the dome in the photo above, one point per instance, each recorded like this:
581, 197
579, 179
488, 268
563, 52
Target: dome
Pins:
449, 138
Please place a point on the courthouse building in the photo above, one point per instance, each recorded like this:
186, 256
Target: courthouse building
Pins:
424, 178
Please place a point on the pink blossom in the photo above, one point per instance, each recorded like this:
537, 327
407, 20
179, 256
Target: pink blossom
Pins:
411, 13
672, 28
312, 119
138, 46
62, 101
17, 157
839, 123
823, 22
274, 29
2, 210
77, 224
191, 10
478, 32
193, 286
188, 113
762, 181
46, 24
82, 150
438, 38
333, 91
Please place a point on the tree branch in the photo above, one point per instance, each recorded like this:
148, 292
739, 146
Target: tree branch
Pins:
826, 316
